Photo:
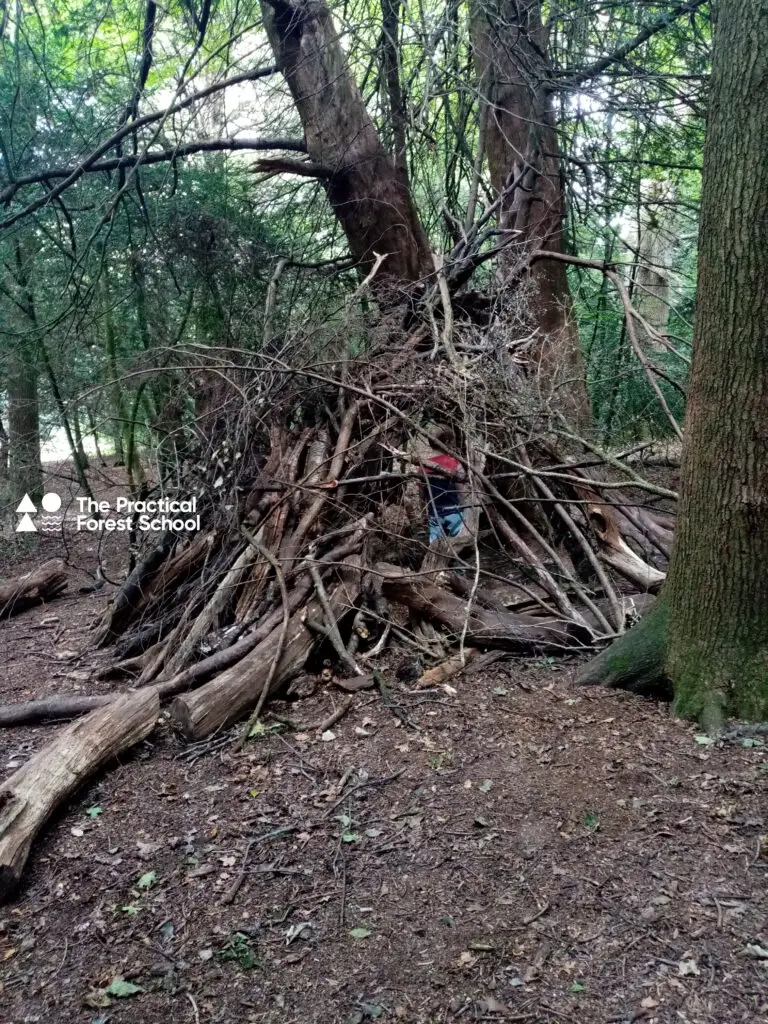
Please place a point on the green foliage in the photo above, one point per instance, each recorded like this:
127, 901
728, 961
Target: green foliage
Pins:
130, 268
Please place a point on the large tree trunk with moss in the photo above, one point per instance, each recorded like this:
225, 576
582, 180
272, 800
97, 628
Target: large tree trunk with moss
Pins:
510, 50
368, 194
717, 653
712, 641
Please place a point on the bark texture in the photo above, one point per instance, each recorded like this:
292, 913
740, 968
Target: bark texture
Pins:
47, 582
25, 468
368, 194
510, 50
30, 795
717, 654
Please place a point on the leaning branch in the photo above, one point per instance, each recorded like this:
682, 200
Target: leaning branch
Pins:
87, 162
573, 81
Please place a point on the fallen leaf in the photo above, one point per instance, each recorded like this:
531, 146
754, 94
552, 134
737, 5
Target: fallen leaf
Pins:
77, 832
360, 933
122, 989
328, 736
147, 880
648, 1003
757, 951
485, 787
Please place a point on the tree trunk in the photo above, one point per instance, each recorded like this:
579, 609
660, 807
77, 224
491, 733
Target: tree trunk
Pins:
655, 252
709, 631
25, 467
510, 50
225, 699
3, 452
366, 191
482, 627
717, 654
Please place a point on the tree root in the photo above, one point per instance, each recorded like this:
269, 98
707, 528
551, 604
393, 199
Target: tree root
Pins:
635, 661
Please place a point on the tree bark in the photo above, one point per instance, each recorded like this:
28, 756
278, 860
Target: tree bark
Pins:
44, 584
481, 627
717, 655
510, 51
30, 795
225, 699
712, 616
366, 191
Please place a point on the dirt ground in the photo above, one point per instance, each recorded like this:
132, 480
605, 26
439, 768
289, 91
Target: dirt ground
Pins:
520, 850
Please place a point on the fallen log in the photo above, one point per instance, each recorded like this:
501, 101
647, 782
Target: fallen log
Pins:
480, 627
44, 584
30, 795
226, 698
48, 709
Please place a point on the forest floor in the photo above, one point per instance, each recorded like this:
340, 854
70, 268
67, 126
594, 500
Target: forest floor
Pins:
522, 850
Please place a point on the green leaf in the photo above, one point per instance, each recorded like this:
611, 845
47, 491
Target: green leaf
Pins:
591, 821
121, 989
147, 880
93, 812
130, 909
499, 692
350, 837
372, 1009
485, 787
360, 933
577, 987
704, 740
750, 741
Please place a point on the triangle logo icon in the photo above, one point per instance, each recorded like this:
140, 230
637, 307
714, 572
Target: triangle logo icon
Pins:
26, 505
26, 525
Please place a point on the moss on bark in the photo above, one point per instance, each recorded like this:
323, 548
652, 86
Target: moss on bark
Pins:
635, 661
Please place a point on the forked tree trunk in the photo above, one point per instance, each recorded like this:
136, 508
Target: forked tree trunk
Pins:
510, 50
368, 195
709, 630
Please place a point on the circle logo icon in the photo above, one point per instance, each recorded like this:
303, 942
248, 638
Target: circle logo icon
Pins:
51, 502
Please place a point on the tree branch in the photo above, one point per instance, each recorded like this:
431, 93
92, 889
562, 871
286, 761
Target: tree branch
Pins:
572, 81
166, 155
87, 162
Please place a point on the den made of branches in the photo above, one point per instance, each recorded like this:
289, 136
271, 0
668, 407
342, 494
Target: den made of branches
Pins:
400, 443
